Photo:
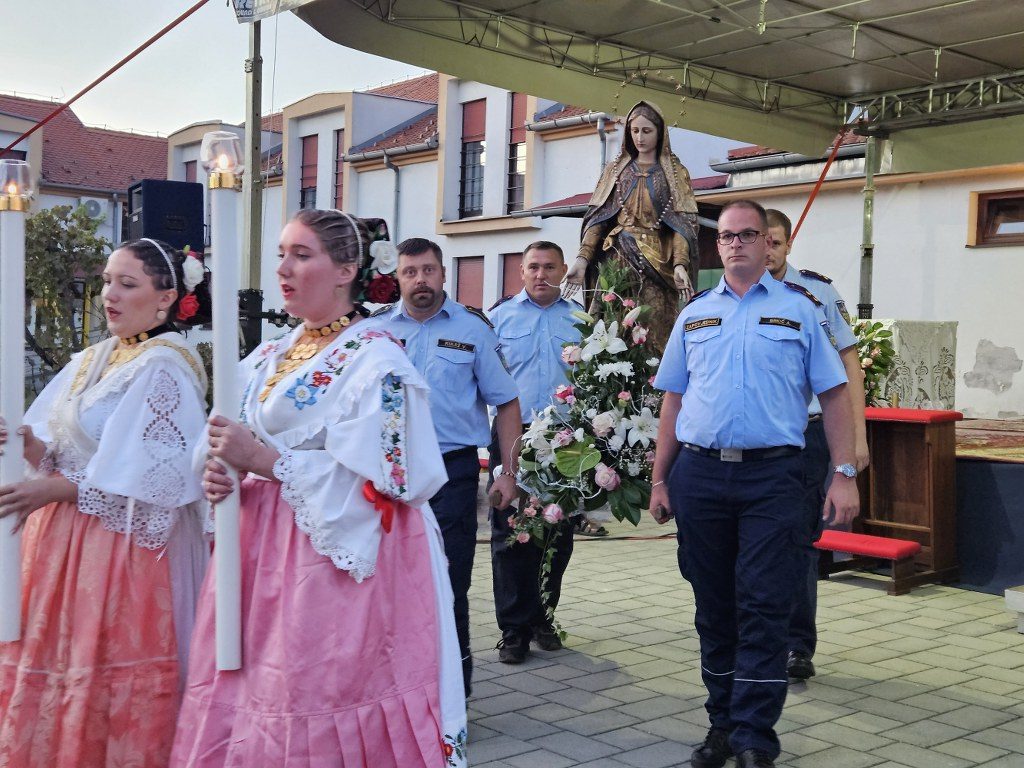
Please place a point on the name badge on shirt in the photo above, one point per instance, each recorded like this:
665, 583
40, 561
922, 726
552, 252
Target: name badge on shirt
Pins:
450, 344
707, 322
785, 322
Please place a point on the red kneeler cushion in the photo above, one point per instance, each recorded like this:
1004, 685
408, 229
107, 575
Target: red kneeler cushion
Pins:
868, 546
911, 414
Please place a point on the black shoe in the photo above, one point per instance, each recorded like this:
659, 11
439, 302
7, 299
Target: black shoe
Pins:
512, 648
753, 758
799, 666
714, 751
547, 639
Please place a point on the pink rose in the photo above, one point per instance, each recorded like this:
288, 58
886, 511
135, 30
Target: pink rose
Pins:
624, 396
639, 334
523, 537
628, 303
511, 520
530, 512
571, 354
606, 477
553, 513
609, 297
562, 438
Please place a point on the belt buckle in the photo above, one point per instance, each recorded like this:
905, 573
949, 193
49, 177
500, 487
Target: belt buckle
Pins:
730, 454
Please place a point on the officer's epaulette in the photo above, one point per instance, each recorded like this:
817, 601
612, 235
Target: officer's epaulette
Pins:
382, 310
698, 295
803, 291
479, 313
815, 276
499, 302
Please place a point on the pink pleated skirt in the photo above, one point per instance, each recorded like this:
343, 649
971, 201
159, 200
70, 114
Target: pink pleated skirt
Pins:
94, 680
334, 673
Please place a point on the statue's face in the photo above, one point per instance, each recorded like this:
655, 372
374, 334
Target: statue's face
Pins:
644, 134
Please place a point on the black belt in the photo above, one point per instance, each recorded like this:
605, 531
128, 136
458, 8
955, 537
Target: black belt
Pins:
459, 453
743, 454
813, 417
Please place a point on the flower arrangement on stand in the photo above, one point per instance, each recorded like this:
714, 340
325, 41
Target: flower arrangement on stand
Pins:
594, 445
877, 354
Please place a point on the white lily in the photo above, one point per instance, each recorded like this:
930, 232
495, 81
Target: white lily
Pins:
604, 370
643, 428
603, 339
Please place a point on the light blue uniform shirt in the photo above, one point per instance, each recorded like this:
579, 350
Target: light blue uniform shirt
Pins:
835, 312
746, 367
458, 354
531, 339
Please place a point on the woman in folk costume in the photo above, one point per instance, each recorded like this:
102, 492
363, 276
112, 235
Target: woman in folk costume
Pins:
644, 215
112, 548
349, 652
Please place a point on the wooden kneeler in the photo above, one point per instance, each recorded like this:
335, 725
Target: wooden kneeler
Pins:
868, 550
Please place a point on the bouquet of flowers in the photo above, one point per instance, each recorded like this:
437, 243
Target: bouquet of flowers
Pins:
594, 445
876, 352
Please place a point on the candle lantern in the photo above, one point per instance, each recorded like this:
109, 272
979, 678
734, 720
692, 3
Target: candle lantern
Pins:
221, 155
15, 194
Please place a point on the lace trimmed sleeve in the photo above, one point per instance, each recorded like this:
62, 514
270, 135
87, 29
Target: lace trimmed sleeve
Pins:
387, 438
140, 476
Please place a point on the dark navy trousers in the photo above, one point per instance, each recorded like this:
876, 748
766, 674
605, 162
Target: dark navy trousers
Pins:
454, 507
516, 569
803, 631
741, 527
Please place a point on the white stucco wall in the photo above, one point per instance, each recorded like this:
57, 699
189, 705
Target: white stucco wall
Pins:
924, 271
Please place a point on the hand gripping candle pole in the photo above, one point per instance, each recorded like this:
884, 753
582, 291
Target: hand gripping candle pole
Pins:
15, 192
221, 155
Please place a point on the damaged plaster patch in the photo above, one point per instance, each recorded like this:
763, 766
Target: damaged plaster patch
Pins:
993, 367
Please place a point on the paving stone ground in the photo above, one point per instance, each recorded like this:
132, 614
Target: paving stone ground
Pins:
933, 679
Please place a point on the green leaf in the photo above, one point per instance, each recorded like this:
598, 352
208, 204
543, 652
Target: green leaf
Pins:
573, 460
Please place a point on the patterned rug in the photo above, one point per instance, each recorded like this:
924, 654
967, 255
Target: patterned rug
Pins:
990, 440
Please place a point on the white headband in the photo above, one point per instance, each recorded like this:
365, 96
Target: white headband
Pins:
170, 266
359, 237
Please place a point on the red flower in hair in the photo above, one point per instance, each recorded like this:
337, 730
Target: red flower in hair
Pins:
188, 306
383, 289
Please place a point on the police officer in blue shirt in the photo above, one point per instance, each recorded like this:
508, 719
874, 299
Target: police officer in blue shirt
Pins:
738, 373
455, 349
803, 634
532, 326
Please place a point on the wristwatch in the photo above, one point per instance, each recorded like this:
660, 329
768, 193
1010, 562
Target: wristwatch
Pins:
848, 470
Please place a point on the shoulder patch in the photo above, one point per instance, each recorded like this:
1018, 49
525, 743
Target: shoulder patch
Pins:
698, 295
499, 302
382, 310
476, 311
804, 292
815, 276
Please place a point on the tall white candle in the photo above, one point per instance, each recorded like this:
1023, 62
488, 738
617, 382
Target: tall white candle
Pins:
220, 153
12, 407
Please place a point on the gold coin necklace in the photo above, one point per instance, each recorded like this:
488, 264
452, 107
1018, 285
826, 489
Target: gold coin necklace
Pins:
306, 348
128, 347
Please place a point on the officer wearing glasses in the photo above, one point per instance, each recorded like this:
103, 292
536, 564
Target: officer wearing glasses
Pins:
738, 373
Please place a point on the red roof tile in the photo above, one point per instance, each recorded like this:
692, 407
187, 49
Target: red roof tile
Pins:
274, 122
423, 88
755, 150
718, 181
564, 112
416, 133
90, 158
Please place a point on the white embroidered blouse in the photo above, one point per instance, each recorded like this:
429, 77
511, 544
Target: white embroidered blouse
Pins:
124, 434
356, 412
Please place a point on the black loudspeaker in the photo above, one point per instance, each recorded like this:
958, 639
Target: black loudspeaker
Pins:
171, 211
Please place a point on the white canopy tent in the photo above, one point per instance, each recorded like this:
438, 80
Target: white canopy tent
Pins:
944, 79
